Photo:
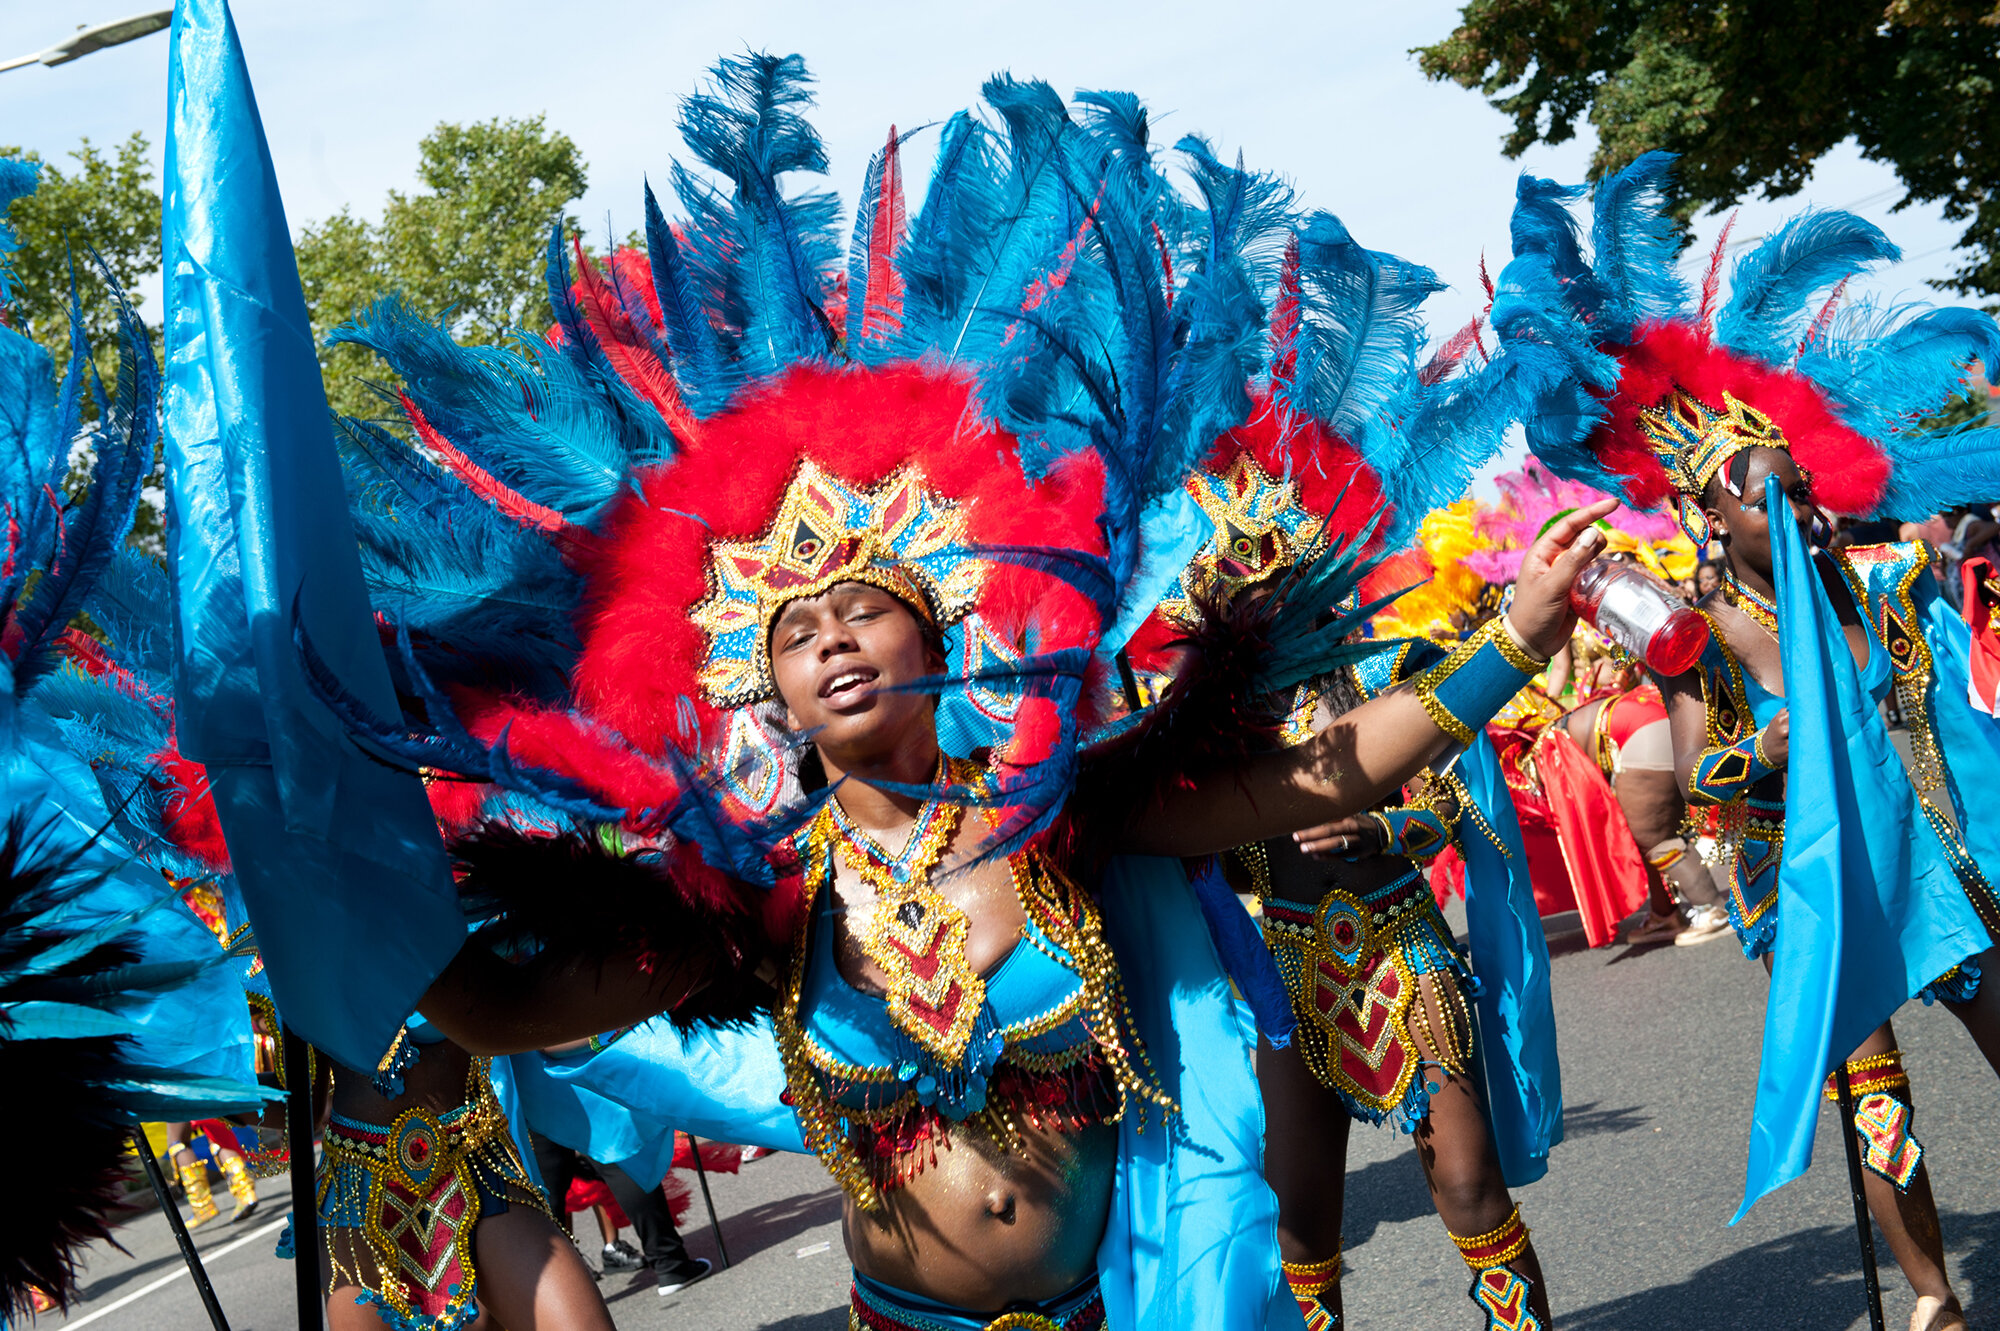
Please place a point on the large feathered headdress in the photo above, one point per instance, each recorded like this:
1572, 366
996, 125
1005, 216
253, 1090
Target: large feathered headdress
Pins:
112, 1007
1663, 390
1354, 436
976, 413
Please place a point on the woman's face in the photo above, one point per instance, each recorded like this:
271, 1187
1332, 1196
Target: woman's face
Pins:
1706, 579
1742, 524
838, 658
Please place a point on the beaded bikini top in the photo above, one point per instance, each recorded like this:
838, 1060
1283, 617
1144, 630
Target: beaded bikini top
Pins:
1043, 1039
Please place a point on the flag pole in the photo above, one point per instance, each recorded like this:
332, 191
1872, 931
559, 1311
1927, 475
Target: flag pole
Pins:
305, 1209
181, 1235
1870, 1279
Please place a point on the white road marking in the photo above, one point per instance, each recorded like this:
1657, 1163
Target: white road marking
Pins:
175, 1274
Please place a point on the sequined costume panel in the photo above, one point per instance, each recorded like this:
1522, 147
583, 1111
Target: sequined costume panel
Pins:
1750, 828
1351, 962
1044, 1040
398, 1203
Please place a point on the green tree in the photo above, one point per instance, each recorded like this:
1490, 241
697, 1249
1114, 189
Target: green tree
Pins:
106, 202
1752, 93
470, 245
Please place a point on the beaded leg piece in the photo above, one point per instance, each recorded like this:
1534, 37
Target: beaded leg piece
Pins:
241, 1186
1883, 1116
194, 1182
1498, 1289
1310, 1282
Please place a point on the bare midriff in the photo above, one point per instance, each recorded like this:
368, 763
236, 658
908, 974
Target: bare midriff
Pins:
980, 1228
436, 1081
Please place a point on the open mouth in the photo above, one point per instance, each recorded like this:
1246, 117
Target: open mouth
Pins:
848, 684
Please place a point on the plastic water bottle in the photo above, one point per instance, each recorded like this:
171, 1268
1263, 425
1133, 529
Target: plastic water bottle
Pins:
1641, 614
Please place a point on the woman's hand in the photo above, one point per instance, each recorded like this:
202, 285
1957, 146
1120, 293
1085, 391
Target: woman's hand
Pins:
1776, 741
1354, 838
1541, 614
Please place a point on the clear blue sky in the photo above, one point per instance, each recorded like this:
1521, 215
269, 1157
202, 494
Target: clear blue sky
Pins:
1325, 93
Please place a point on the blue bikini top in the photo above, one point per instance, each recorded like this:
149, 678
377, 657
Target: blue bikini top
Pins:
1764, 704
1033, 1016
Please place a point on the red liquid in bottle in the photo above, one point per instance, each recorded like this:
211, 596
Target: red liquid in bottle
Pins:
1641, 614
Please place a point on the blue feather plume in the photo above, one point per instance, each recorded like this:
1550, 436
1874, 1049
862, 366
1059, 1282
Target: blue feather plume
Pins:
526, 416
1772, 287
1360, 327
706, 378
1634, 247
644, 435
18, 177
749, 128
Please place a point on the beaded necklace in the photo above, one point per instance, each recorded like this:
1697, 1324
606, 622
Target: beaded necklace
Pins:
914, 934
872, 1148
1762, 612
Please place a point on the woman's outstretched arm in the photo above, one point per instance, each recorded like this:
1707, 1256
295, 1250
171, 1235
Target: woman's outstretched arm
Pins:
1376, 747
492, 1006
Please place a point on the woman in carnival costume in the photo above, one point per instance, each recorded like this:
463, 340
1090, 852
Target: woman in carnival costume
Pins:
1375, 1020
113, 1007
1727, 412
1614, 714
900, 529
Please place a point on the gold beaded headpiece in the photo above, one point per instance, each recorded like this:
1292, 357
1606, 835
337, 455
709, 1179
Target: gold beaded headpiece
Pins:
1694, 441
1261, 529
898, 537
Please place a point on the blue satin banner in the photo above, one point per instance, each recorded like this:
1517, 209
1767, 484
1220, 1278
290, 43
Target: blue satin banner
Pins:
338, 858
1869, 907
1510, 955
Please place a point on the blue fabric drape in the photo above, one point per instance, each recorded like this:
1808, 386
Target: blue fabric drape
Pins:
1245, 956
338, 858
1193, 1237
1510, 955
1869, 907
723, 1085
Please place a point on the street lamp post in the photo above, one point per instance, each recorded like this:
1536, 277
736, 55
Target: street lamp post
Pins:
94, 37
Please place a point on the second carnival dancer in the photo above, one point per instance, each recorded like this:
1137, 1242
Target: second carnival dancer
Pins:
883, 544
114, 1009
1380, 1023
1724, 411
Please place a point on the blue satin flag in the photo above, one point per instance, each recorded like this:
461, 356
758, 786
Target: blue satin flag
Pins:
1870, 909
338, 858
1510, 955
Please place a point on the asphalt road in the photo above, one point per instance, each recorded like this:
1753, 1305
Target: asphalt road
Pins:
1659, 1059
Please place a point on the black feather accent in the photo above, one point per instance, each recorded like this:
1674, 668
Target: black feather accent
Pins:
69, 1196
1212, 717
574, 898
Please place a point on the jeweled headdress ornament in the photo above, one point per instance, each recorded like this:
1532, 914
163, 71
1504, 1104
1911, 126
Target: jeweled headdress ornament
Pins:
1695, 442
1661, 389
897, 536
1261, 528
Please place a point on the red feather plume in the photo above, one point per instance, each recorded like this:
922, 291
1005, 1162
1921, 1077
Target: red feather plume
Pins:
883, 312
629, 352
1849, 471
482, 483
